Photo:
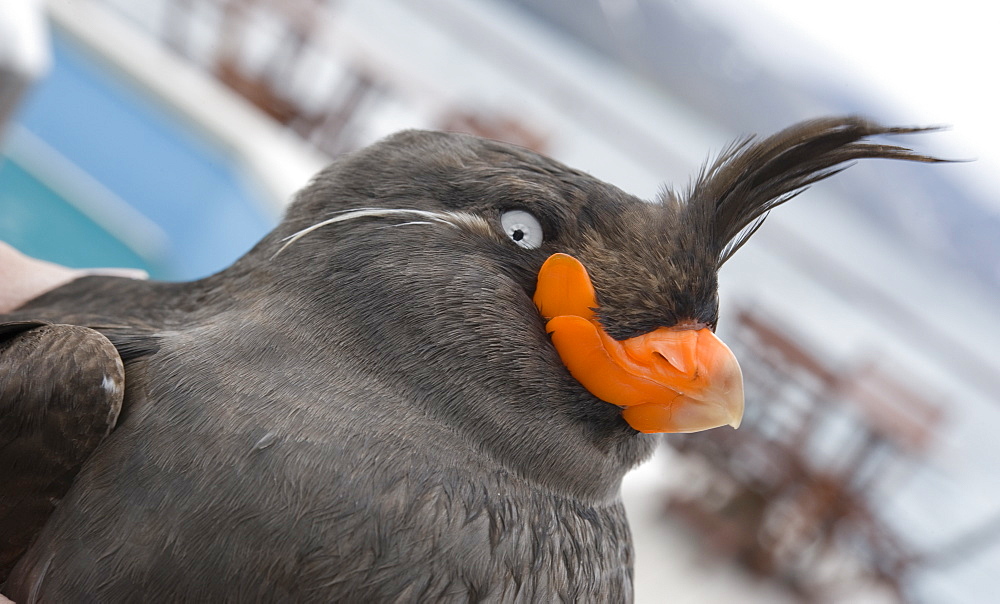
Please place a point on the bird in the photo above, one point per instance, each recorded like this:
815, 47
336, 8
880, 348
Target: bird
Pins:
425, 384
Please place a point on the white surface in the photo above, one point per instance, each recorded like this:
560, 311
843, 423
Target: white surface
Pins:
24, 52
24, 38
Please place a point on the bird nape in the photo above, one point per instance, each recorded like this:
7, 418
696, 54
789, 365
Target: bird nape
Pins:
425, 384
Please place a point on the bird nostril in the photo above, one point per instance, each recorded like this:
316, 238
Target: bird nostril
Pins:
664, 351
659, 357
668, 363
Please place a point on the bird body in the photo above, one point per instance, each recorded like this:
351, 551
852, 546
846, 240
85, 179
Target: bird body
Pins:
367, 406
237, 481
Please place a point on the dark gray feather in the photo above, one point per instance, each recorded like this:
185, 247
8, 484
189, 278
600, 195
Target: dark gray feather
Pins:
61, 389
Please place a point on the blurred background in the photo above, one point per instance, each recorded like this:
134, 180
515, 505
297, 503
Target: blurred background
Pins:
169, 134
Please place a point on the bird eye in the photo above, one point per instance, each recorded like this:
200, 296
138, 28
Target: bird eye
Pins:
522, 228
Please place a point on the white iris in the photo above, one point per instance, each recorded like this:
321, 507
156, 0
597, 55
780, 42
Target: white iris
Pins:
522, 228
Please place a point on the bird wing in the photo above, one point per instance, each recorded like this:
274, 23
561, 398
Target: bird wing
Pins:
61, 391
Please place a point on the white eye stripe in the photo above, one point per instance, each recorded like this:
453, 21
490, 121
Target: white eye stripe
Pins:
458, 220
519, 226
522, 228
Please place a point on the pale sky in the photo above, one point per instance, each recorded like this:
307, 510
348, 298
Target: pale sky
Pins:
937, 61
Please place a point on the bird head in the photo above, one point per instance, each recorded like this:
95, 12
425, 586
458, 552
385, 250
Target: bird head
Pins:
536, 306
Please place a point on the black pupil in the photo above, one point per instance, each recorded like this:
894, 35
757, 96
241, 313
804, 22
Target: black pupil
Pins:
517, 235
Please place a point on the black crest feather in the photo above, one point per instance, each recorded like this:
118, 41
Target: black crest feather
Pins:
753, 176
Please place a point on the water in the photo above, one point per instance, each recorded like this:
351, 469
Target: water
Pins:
101, 173
39, 222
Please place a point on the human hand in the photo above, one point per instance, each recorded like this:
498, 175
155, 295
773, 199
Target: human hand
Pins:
23, 278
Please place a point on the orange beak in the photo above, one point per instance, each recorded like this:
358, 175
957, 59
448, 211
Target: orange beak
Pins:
672, 379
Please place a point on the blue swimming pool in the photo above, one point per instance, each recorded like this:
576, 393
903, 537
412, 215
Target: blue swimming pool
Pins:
40, 222
98, 172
